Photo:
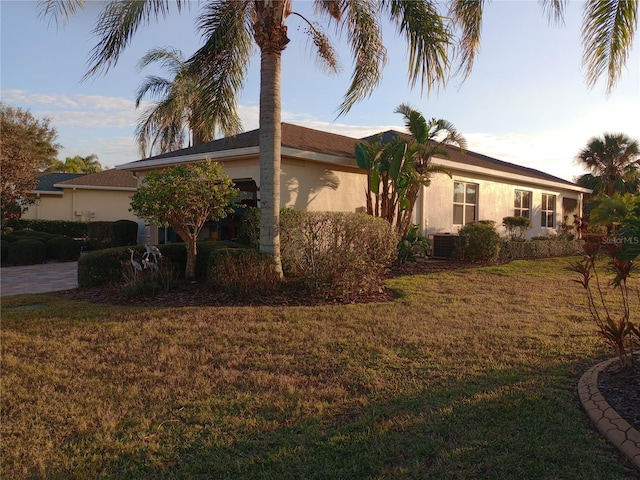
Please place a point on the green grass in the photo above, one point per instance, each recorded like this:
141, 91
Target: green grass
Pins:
468, 375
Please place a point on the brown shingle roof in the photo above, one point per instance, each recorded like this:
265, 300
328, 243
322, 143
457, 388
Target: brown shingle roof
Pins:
107, 178
308, 139
293, 136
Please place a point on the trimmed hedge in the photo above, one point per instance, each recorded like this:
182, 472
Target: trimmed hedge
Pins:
63, 248
27, 251
125, 233
242, 271
57, 227
539, 248
105, 266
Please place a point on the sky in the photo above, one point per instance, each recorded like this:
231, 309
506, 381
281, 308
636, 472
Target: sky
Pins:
525, 102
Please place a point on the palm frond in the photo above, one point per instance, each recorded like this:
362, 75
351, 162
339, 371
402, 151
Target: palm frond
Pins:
153, 86
415, 122
118, 23
169, 58
222, 62
607, 36
428, 37
326, 53
554, 9
364, 33
59, 11
467, 16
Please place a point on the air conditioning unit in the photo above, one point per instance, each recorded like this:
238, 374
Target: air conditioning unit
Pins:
442, 245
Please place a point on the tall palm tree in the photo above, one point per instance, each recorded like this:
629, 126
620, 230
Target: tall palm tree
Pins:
183, 110
229, 26
614, 161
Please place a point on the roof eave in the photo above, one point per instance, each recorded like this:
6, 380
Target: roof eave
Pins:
452, 165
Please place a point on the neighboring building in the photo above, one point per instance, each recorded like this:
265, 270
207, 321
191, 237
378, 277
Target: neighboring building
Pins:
102, 196
319, 172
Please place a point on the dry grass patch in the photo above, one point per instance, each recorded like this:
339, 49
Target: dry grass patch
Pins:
469, 374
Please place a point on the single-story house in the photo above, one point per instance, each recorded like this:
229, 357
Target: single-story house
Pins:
102, 196
319, 172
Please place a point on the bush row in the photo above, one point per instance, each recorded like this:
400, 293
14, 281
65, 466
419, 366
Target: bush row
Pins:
57, 227
339, 253
96, 235
27, 247
481, 241
106, 266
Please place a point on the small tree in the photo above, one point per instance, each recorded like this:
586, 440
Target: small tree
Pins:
185, 197
27, 146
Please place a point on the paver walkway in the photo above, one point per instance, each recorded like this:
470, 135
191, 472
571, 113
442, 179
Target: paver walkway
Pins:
46, 277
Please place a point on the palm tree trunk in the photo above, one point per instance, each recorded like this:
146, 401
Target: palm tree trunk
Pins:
270, 155
271, 36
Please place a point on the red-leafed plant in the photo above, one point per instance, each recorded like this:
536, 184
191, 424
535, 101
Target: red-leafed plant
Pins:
612, 316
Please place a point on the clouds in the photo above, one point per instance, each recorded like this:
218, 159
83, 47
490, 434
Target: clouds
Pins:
105, 125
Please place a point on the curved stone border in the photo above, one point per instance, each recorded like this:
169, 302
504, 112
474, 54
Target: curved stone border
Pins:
614, 428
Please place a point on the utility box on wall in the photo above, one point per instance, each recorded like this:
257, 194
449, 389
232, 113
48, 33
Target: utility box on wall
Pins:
442, 245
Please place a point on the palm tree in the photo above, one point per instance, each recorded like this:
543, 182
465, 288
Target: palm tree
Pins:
428, 139
77, 164
398, 168
614, 161
183, 109
229, 26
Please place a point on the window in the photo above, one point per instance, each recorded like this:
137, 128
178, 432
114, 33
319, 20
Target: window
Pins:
465, 203
548, 211
522, 204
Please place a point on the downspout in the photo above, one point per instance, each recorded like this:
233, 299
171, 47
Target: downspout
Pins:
73, 204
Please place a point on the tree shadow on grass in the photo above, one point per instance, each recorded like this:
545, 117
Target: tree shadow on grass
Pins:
508, 424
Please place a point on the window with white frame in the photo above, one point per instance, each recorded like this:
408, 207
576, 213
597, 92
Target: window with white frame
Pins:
522, 204
548, 211
465, 203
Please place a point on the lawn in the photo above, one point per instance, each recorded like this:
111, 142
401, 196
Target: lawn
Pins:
469, 374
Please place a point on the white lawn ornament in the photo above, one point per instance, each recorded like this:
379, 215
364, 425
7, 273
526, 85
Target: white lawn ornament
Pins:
136, 265
148, 264
152, 251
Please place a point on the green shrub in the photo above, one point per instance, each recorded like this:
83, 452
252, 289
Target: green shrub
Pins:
477, 241
242, 271
4, 248
249, 231
539, 248
415, 243
27, 251
102, 267
63, 248
56, 227
516, 227
124, 233
99, 235
341, 253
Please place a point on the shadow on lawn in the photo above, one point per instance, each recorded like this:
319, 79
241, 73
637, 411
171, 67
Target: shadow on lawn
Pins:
504, 425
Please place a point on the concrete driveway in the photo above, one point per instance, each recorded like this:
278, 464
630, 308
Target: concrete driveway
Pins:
43, 278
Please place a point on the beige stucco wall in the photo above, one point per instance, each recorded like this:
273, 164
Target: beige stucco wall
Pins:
307, 185
495, 201
83, 205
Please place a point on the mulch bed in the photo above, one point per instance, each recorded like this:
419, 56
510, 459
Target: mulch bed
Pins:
290, 294
622, 390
